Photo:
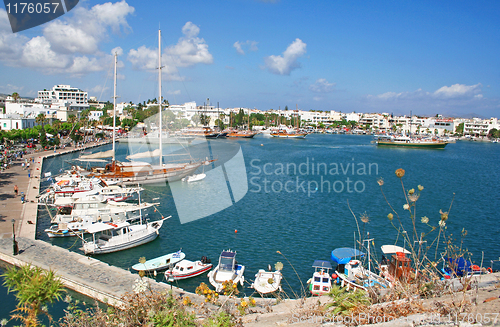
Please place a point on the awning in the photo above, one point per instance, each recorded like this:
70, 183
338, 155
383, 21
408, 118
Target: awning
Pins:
344, 255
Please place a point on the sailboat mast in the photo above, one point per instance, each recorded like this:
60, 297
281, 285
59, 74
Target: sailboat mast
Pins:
114, 109
159, 94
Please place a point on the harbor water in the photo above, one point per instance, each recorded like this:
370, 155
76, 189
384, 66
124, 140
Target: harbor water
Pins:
306, 197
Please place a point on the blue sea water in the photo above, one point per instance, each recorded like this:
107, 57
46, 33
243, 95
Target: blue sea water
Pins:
302, 196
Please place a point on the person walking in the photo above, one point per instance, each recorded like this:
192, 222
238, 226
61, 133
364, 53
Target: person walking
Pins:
16, 189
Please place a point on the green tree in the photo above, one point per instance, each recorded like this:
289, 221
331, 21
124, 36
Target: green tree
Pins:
460, 129
15, 96
34, 288
205, 119
196, 119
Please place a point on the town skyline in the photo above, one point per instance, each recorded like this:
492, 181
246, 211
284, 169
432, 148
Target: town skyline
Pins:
425, 58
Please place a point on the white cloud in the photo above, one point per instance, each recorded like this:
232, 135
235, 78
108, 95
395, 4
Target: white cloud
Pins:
190, 50
283, 65
459, 90
70, 45
9, 88
456, 91
322, 86
252, 46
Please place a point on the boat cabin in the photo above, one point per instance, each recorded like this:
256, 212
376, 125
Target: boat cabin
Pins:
227, 261
399, 267
321, 282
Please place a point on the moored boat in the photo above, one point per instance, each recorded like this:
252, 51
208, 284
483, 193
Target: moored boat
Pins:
111, 237
321, 281
226, 270
160, 263
187, 269
268, 281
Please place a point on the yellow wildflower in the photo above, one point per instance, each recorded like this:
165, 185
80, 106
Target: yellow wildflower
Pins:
400, 172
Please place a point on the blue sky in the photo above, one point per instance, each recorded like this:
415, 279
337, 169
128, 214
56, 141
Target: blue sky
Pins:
427, 57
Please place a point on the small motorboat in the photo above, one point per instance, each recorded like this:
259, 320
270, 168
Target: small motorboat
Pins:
194, 178
160, 263
187, 268
226, 270
268, 281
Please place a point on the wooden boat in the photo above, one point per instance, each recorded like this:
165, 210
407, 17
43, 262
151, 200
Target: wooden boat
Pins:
397, 266
226, 270
142, 172
321, 281
187, 269
241, 134
111, 237
289, 134
267, 281
410, 142
160, 263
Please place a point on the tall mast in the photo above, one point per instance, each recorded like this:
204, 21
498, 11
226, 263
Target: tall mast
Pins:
159, 94
114, 109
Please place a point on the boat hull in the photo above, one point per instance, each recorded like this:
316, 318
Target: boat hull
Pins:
160, 263
267, 281
437, 145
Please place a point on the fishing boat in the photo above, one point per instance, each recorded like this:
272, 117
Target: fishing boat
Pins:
187, 269
160, 263
267, 281
397, 266
350, 272
410, 142
321, 281
226, 270
111, 237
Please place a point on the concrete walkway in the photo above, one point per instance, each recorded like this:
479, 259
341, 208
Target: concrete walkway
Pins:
83, 274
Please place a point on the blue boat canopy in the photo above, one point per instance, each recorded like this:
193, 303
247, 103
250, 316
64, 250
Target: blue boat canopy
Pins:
322, 264
228, 254
344, 255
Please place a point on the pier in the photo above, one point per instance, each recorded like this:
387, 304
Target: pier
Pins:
78, 272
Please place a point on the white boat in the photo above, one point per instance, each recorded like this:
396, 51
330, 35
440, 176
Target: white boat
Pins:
75, 216
111, 237
410, 142
186, 269
160, 263
267, 281
194, 178
321, 281
226, 270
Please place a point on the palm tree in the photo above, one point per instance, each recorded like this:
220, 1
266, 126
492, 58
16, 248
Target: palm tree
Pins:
15, 96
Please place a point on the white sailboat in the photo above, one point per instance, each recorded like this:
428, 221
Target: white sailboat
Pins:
142, 172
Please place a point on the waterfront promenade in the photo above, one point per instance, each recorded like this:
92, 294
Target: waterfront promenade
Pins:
83, 274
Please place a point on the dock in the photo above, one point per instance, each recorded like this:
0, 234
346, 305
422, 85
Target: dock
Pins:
83, 274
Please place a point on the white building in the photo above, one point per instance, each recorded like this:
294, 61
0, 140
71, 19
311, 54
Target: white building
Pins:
480, 127
12, 121
65, 100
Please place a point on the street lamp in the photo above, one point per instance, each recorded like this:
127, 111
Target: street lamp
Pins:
14, 242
